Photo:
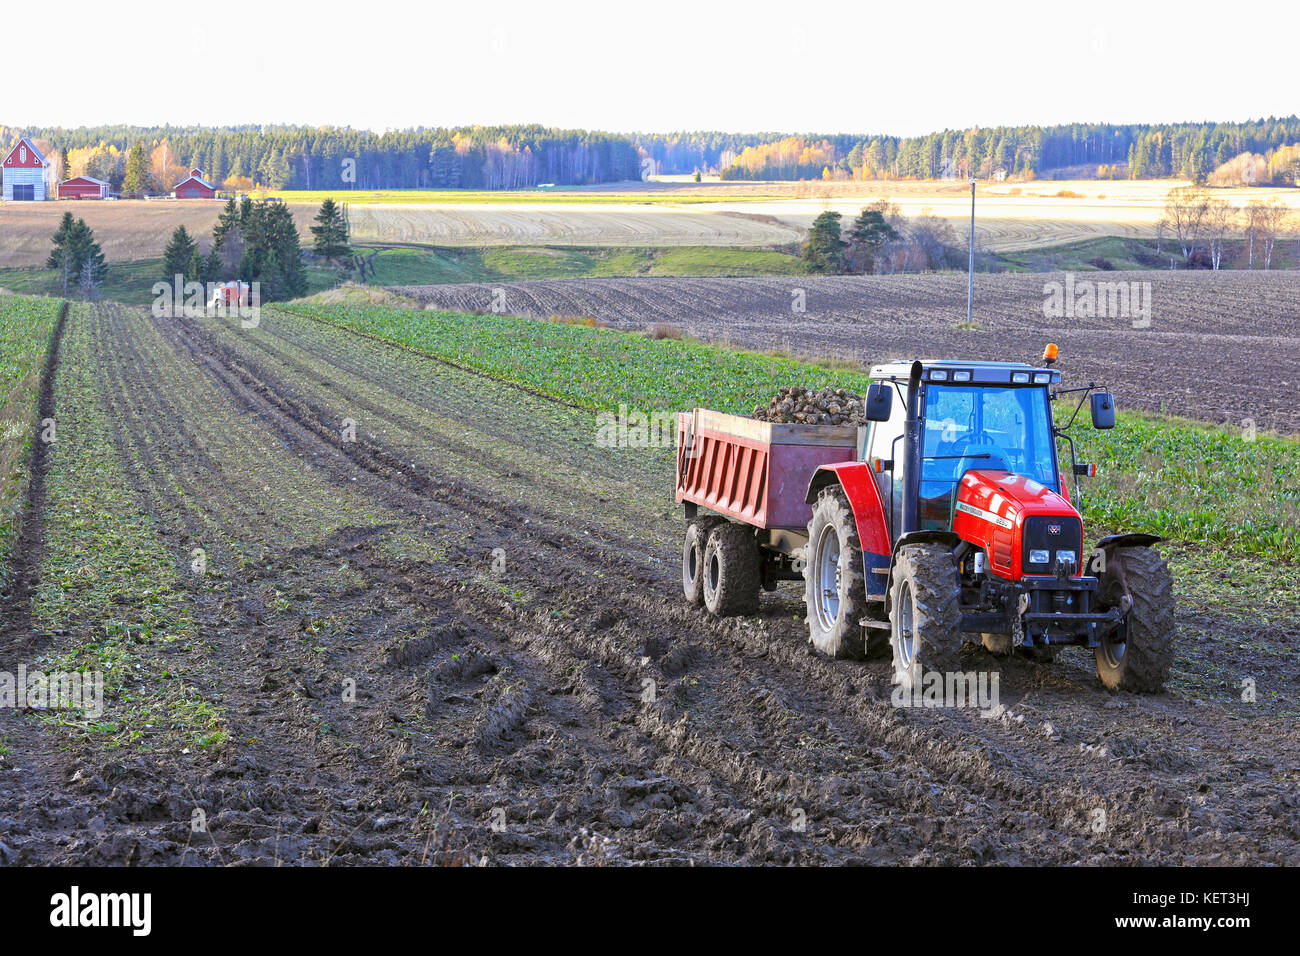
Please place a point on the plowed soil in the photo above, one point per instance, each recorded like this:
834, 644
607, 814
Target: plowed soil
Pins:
530, 687
1221, 347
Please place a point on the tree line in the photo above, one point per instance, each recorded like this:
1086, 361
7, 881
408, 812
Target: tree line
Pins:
1193, 151
1200, 223
293, 157
511, 157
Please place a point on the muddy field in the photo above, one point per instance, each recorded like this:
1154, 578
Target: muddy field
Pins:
1220, 347
529, 686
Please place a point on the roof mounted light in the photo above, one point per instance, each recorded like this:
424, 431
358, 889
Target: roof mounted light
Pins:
938, 375
961, 375
1020, 378
1042, 378
1050, 353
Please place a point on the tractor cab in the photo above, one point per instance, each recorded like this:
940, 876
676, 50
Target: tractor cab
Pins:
985, 416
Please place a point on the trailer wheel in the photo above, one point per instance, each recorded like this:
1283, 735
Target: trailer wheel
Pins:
924, 613
731, 570
1142, 663
834, 589
696, 537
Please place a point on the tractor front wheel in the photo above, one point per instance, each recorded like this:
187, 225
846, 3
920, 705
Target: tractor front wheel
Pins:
1141, 664
924, 613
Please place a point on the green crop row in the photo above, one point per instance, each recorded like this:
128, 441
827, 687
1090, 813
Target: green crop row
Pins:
1168, 476
26, 330
107, 581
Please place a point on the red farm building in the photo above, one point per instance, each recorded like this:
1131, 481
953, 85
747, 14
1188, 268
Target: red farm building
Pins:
194, 187
83, 187
26, 173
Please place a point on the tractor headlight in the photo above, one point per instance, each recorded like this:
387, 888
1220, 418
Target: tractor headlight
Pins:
1066, 557
1042, 378
1020, 378
1039, 557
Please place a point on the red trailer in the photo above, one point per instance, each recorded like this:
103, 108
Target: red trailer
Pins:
756, 473
753, 471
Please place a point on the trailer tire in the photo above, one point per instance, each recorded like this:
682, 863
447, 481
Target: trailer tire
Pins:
693, 544
1142, 664
731, 570
835, 593
924, 613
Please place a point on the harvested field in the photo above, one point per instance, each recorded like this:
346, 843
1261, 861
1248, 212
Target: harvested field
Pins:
504, 592
1239, 328
127, 229
567, 225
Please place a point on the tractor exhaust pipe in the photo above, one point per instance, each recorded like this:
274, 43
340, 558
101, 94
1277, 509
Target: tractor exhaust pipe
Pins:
912, 451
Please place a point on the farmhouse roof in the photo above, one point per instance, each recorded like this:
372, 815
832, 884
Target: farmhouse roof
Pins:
84, 179
13, 160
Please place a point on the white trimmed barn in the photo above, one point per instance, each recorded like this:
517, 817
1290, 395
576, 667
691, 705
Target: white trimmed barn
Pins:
26, 174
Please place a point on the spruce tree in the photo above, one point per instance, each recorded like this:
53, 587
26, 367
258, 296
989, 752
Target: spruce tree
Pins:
61, 235
824, 250
176, 257
331, 232
136, 180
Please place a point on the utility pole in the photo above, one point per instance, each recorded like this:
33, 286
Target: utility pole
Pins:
970, 281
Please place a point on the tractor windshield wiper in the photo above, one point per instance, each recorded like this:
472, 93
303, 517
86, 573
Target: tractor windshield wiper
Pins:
946, 457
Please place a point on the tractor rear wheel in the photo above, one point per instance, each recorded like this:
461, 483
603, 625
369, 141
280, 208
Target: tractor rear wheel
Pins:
1142, 663
732, 572
924, 613
696, 537
835, 594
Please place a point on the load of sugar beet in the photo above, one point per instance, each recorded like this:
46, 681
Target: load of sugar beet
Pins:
796, 405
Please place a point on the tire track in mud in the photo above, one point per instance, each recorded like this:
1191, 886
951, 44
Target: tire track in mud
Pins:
523, 694
1067, 807
496, 716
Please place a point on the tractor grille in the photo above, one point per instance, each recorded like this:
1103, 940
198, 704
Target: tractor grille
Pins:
1051, 534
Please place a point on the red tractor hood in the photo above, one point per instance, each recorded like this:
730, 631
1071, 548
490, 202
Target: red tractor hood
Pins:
991, 510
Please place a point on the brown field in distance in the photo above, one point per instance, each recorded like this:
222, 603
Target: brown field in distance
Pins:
1010, 216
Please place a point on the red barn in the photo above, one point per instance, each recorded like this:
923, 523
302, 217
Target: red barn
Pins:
26, 173
83, 187
195, 187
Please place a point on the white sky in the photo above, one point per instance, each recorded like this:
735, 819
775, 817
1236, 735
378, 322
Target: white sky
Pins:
906, 67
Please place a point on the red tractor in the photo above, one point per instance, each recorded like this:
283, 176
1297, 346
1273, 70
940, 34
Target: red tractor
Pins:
947, 518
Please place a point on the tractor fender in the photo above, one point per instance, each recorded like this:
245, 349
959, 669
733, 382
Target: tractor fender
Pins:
859, 484
1136, 539
948, 538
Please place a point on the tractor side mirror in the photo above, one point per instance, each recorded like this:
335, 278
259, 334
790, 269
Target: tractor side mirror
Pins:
1103, 410
880, 402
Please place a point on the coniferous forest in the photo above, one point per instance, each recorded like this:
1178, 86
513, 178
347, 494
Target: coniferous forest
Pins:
513, 157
